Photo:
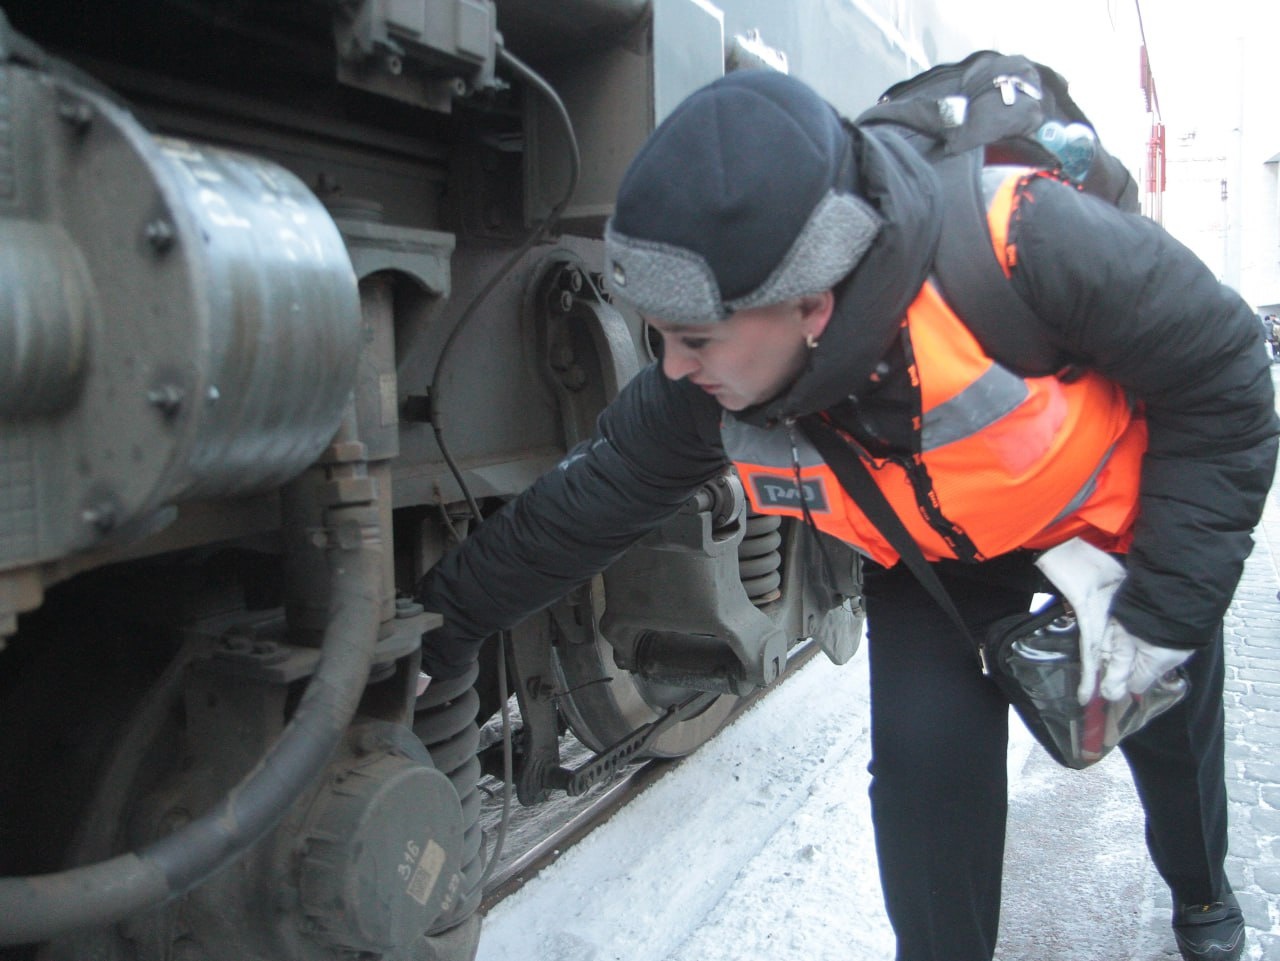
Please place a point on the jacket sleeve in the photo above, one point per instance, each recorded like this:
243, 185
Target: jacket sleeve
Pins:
655, 444
1121, 296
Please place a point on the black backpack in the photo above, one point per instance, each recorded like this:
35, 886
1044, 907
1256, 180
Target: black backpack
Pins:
988, 109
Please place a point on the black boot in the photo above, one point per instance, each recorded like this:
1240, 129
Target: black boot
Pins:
1210, 932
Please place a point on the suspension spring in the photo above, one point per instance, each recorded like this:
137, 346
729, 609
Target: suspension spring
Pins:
760, 558
445, 720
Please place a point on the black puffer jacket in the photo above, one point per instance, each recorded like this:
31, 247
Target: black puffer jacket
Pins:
1113, 291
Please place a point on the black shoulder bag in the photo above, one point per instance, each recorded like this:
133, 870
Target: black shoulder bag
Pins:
1034, 659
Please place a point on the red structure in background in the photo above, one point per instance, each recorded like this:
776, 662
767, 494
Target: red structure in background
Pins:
1153, 201
1155, 172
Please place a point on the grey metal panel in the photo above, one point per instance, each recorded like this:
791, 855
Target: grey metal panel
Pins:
539, 30
618, 89
609, 95
830, 44
688, 51
616, 94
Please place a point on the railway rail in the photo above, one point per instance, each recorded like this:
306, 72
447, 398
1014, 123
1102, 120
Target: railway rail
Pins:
537, 836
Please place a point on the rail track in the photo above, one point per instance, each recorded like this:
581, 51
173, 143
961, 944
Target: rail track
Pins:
537, 836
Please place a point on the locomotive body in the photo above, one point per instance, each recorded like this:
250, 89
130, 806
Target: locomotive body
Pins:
292, 295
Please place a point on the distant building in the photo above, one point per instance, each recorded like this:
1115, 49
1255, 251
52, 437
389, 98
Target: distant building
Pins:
1222, 197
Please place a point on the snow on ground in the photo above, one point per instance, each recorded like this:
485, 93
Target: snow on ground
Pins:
642, 884
760, 845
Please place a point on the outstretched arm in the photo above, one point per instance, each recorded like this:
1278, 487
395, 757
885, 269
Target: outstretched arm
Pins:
655, 444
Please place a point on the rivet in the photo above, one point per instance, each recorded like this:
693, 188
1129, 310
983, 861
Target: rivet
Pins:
101, 516
159, 234
570, 278
167, 398
77, 114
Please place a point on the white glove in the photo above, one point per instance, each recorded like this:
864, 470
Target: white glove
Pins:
1087, 578
1132, 665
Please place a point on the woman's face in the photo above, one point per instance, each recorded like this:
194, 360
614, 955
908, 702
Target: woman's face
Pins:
751, 356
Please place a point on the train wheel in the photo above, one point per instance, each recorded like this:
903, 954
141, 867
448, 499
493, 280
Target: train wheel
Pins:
604, 703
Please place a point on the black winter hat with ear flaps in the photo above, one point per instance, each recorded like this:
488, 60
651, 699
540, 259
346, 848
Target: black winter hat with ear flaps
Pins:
741, 198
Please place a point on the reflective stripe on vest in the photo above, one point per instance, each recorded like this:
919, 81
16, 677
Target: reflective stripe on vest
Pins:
1009, 461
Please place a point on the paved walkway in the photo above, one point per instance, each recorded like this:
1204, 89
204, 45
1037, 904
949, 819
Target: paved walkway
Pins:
1253, 733
1086, 888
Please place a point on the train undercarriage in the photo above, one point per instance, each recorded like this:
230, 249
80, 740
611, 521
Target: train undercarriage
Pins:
292, 296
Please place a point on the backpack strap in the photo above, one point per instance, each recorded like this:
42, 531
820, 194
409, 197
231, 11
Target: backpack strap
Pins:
973, 281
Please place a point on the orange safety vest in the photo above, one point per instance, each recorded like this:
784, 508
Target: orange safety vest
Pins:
1006, 462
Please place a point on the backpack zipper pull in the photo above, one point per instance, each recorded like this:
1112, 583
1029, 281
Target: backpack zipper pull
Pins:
1010, 85
790, 424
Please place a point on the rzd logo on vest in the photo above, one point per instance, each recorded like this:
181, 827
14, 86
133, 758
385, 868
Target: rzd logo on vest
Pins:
782, 492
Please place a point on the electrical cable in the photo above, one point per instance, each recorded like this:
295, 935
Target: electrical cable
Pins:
527, 74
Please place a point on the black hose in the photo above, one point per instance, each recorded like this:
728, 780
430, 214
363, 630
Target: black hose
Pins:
41, 907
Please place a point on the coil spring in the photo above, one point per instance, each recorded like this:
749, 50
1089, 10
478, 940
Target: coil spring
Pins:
445, 720
760, 559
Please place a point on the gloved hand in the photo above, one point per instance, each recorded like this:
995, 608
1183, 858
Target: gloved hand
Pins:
1132, 665
1087, 578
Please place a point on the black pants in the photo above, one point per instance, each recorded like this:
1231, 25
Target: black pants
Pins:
939, 732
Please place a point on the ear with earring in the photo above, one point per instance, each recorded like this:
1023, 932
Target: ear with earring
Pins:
810, 341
